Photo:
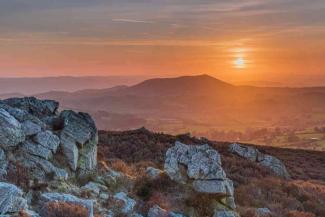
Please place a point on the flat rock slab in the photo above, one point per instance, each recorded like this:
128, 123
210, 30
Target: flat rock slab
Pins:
50, 197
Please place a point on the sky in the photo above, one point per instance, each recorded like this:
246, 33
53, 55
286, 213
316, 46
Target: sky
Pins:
234, 40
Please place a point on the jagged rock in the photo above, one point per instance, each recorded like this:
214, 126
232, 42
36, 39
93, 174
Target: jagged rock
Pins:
79, 140
50, 197
48, 140
225, 214
202, 162
3, 163
128, 203
31, 213
36, 149
157, 211
94, 187
11, 132
274, 164
30, 128
263, 212
70, 151
153, 172
39, 108
11, 199
265, 160
22, 115
41, 168
214, 186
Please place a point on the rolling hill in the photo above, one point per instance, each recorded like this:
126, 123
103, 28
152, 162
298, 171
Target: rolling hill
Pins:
198, 102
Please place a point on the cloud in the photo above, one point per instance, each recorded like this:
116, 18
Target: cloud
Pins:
132, 21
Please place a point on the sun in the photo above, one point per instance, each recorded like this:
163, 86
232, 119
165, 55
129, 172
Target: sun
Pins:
239, 63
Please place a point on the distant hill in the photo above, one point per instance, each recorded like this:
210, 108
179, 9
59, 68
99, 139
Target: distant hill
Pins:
29, 86
170, 104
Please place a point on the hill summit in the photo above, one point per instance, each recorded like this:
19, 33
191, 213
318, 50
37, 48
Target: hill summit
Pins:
185, 85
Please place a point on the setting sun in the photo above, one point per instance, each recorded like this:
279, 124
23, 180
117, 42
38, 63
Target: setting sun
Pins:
239, 63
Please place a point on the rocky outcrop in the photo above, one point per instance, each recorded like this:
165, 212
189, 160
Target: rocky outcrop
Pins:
11, 199
201, 167
265, 160
33, 131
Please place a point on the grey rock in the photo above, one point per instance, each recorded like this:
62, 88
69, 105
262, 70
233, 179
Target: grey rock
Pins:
153, 172
173, 214
274, 164
157, 211
263, 212
11, 132
202, 162
94, 187
128, 203
30, 128
70, 150
50, 197
32, 213
220, 187
244, 151
36, 149
225, 214
265, 160
34, 106
22, 115
214, 186
11, 199
48, 140
41, 168
79, 131
201, 167
3, 163
104, 196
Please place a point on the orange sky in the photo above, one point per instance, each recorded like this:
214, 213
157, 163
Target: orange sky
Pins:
276, 40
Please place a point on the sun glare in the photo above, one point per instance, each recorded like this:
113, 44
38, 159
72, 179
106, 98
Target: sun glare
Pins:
239, 63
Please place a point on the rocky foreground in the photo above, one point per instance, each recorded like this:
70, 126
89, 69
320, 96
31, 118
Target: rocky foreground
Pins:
49, 168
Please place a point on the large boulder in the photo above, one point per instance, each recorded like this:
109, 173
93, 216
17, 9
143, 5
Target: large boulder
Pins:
202, 162
199, 166
268, 161
79, 140
57, 197
11, 131
11, 199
